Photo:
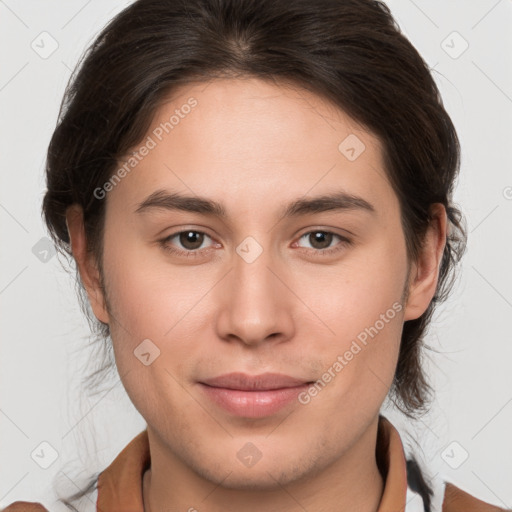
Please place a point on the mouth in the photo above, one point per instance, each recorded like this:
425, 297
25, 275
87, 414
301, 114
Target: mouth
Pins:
253, 396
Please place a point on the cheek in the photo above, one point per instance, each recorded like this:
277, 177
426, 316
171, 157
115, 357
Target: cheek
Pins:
354, 295
148, 296
152, 322
150, 299
363, 308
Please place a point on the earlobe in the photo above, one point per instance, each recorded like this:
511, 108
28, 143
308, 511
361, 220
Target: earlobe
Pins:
424, 273
86, 263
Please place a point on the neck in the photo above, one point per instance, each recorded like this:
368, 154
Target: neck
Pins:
353, 482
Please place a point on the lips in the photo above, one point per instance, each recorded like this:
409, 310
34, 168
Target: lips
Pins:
262, 382
253, 396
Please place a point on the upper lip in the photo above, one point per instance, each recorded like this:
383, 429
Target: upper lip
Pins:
246, 382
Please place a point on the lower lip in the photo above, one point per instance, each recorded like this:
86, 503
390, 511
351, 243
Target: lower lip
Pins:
253, 404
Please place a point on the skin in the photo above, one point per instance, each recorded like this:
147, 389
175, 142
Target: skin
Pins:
255, 146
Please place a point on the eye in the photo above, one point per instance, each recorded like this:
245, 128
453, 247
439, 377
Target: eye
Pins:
320, 241
190, 240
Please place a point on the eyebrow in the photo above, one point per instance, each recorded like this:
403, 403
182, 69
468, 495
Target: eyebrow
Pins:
164, 200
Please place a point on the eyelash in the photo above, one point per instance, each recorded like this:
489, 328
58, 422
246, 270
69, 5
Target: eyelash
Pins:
165, 243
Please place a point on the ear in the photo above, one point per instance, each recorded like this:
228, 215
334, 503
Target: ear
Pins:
424, 273
87, 265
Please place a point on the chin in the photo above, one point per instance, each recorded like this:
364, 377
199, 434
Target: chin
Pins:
266, 475
247, 480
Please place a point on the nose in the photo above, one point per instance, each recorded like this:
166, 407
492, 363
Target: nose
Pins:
256, 305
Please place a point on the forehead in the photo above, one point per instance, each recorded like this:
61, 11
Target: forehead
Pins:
248, 115
256, 140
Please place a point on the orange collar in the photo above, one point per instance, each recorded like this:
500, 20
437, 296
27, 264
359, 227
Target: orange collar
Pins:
120, 484
390, 452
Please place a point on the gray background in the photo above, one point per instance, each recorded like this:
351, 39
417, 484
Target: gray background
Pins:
44, 353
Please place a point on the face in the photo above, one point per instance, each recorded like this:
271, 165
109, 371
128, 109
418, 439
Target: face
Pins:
289, 258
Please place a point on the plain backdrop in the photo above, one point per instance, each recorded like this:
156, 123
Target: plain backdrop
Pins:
466, 437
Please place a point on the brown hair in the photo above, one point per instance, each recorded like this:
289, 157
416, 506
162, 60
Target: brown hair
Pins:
350, 52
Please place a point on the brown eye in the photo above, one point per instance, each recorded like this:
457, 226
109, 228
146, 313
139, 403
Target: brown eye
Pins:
320, 239
191, 240
187, 243
321, 242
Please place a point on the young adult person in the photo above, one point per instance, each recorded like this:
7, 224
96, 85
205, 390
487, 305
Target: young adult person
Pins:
258, 198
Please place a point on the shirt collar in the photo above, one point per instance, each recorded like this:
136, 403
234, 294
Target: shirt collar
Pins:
120, 484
